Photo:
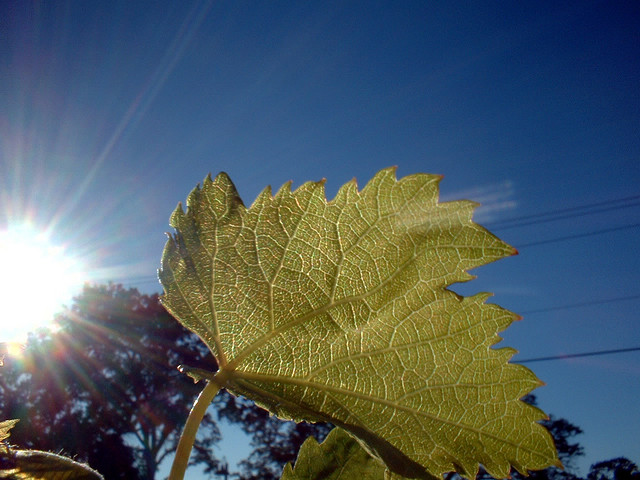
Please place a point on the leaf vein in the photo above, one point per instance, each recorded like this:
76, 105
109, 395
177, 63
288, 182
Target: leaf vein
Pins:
257, 377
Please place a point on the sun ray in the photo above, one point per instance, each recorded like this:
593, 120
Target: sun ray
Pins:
148, 92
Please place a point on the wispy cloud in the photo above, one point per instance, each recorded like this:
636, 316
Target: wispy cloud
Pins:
495, 200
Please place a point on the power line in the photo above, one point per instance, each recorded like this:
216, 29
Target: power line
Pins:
149, 280
576, 355
569, 209
515, 222
554, 308
564, 213
582, 304
579, 235
568, 306
564, 217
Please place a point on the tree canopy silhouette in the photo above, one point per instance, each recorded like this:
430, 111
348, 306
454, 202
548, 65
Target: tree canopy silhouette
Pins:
104, 387
274, 442
620, 468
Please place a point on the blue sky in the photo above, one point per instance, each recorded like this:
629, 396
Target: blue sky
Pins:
111, 112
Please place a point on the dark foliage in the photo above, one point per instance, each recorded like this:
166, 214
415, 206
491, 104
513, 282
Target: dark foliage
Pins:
563, 433
274, 442
104, 388
615, 469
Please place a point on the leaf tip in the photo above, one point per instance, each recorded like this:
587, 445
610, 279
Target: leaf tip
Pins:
221, 176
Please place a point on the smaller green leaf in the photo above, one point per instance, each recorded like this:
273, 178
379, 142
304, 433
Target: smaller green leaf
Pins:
5, 426
37, 465
339, 457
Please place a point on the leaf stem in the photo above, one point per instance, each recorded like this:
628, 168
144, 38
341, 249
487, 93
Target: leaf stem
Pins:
188, 437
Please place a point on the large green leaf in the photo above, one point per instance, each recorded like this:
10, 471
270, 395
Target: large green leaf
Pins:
339, 457
338, 311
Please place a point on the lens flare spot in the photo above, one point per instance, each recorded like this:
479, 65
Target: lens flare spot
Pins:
37, 278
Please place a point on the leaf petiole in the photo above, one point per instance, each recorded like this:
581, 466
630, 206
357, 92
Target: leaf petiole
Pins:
188, 437
196, 374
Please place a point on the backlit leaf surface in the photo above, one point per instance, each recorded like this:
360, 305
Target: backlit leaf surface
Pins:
338, 311
5, 426
37, 465
339, 457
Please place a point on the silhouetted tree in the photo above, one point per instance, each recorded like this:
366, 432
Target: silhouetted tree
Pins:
615, 469
563, 433
274, 441
104, 388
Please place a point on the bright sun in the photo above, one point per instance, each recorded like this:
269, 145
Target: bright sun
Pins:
36, 279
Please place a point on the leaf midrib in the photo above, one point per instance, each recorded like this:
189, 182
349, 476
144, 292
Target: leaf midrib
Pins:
237, 361
257, 377
233, 364
212, 304
271, 282
393, 348
240, 357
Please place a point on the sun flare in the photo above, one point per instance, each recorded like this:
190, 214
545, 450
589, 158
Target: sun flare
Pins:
37, 278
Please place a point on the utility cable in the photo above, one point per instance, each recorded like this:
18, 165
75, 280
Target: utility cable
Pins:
576, 355
515, 222
579, 235
148, 280
563, 217
581, 304
564, 213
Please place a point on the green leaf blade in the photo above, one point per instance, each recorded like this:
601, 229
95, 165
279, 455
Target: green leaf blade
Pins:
38, 465
339, 311
339, 457
5, 427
